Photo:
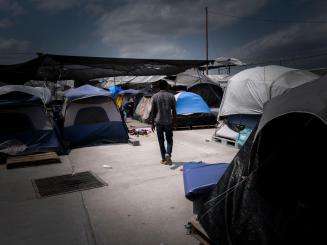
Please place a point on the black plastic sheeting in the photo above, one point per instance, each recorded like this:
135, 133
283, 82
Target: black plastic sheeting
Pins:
62, 67
196, 119
211, 93
273, 190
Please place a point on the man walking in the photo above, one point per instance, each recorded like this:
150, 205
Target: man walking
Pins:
163, 114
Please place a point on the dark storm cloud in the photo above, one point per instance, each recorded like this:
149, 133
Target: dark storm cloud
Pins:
155, 28
161, 28
55, 5
13, 44
13, 8
299, 39
296, 39
9, 10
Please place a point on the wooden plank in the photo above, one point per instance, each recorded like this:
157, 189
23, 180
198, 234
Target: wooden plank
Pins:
194, 127
196, 230
204, 126
32, 160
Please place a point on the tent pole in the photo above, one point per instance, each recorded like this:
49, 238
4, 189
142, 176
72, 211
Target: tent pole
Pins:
206, 38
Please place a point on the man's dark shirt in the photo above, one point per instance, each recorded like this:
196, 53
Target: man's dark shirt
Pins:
163, 108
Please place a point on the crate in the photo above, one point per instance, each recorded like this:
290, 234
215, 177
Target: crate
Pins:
32, 160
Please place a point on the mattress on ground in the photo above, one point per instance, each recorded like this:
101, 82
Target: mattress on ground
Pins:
225, 132
200, 177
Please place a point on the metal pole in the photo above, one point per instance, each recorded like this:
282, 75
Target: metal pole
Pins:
206, 37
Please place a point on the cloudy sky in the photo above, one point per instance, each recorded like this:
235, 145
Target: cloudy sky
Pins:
245, 29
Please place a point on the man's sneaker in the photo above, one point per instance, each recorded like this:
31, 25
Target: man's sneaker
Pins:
164, 162
168, 159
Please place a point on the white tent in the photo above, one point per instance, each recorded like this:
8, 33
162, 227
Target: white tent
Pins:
250, 89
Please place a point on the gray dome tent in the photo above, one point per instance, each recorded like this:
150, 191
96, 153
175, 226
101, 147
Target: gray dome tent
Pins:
272, 191
104, 126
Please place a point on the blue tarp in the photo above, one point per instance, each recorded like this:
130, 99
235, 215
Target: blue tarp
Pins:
114, 90
189, 103
200, 177
84, 92
243, 136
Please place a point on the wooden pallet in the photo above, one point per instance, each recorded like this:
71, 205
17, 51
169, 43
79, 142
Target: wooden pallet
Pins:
195, 127
32, 160
225, 141
195, 229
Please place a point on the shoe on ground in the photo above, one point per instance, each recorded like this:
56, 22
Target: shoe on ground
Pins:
164, 162
168, 159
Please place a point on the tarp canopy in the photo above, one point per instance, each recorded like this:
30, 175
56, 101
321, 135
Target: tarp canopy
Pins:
272, 192
79, 68
136, 80
189, 103
35, 93
250, 89
133, 79
130, 91
222, 62
84, 92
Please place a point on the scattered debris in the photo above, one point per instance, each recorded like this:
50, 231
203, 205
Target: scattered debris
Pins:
139, 131
133, 142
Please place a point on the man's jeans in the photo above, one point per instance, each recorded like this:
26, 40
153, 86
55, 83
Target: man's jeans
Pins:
165, 131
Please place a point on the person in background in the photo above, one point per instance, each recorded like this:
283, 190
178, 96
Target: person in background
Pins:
162, 117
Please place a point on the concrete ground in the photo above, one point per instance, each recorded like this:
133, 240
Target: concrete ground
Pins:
143, 203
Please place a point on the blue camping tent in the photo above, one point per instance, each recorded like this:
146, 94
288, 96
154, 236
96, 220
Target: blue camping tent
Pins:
85, 91
91, 117
25, 127
192, 110
189, 103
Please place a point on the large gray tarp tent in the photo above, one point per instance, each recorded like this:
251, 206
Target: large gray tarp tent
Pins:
272, 192
248, 90
79, 68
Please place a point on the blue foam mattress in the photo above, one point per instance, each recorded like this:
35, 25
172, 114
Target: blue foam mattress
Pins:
200, 178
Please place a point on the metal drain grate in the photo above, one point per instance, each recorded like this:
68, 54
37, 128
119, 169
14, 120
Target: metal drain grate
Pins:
63, 184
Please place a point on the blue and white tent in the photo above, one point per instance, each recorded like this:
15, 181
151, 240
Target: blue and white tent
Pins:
84, 91
25, 127
190, 103
192, 110
91, 117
